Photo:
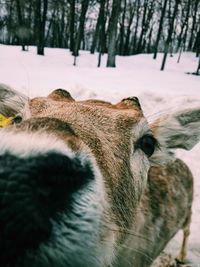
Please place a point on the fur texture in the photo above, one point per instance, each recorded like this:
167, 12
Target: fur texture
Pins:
125, 215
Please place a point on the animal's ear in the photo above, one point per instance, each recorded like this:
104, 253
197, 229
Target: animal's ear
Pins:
12, 102
60, 95
180, 129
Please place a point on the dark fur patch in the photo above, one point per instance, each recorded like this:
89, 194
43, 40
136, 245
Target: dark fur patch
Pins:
132, 101
33, 190
48, 124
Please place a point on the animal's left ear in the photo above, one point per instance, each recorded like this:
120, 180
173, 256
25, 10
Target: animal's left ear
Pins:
12, 102
180, 129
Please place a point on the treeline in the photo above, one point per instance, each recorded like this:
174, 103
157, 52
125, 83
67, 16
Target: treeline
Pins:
116, 27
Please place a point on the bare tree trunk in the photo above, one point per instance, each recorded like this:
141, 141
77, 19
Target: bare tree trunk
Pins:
112, 33
191, 41
160, 29
170, 32
9, 24
41, 22
84, 8
62, 26
180, 39
127, 39
96, 36
50, 24
185, 36
173, 39
136, 26
21, 24
98, 26
185, 26
149, 42
101, 40
197, 42
30, 16
142, 27
71, 24
180, 53
122, 26
101, 35
198, 67
147, 24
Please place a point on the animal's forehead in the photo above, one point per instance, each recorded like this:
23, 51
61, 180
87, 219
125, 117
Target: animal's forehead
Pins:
107, 130
128, 110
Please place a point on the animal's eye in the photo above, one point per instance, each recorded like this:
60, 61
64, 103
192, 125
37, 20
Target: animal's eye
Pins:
17, 119
147, 144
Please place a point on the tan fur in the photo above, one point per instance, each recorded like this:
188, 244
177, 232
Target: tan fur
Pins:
107, 130
144, 215
165, 208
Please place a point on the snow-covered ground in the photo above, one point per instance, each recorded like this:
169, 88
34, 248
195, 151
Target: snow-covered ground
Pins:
135, 75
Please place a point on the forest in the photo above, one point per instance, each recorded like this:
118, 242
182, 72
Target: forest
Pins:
115, 27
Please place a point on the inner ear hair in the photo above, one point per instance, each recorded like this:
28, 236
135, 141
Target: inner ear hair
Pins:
189, 117
179, 129
12, 102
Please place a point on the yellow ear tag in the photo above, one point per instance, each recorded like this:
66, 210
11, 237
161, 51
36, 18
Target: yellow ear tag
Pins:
4, 122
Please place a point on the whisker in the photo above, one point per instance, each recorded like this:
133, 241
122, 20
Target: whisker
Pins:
131, 233
131, 249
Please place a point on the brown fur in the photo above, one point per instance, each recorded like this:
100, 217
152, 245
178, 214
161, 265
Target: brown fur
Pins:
106, 129
145, 215
165, 208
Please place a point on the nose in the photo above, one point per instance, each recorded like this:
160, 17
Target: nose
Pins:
32, 191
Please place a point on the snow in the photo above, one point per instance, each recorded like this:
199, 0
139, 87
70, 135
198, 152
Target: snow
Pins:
138, 75
135, 74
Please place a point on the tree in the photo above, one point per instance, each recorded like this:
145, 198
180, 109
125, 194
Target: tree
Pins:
198, 67
99, 26
194, 17
143, 29
9, 21
71, 24
150, 39
148, 25
21, 30
80, 33
170, 32
184, 28
128, 32
112, 33
41, 16
134, 26
196, 46
160, 28
102, 35
122, 29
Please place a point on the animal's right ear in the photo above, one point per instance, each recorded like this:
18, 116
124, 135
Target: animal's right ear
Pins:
179, 129
61, 95
12, 102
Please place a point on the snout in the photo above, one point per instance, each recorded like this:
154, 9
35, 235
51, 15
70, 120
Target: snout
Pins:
33, 191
